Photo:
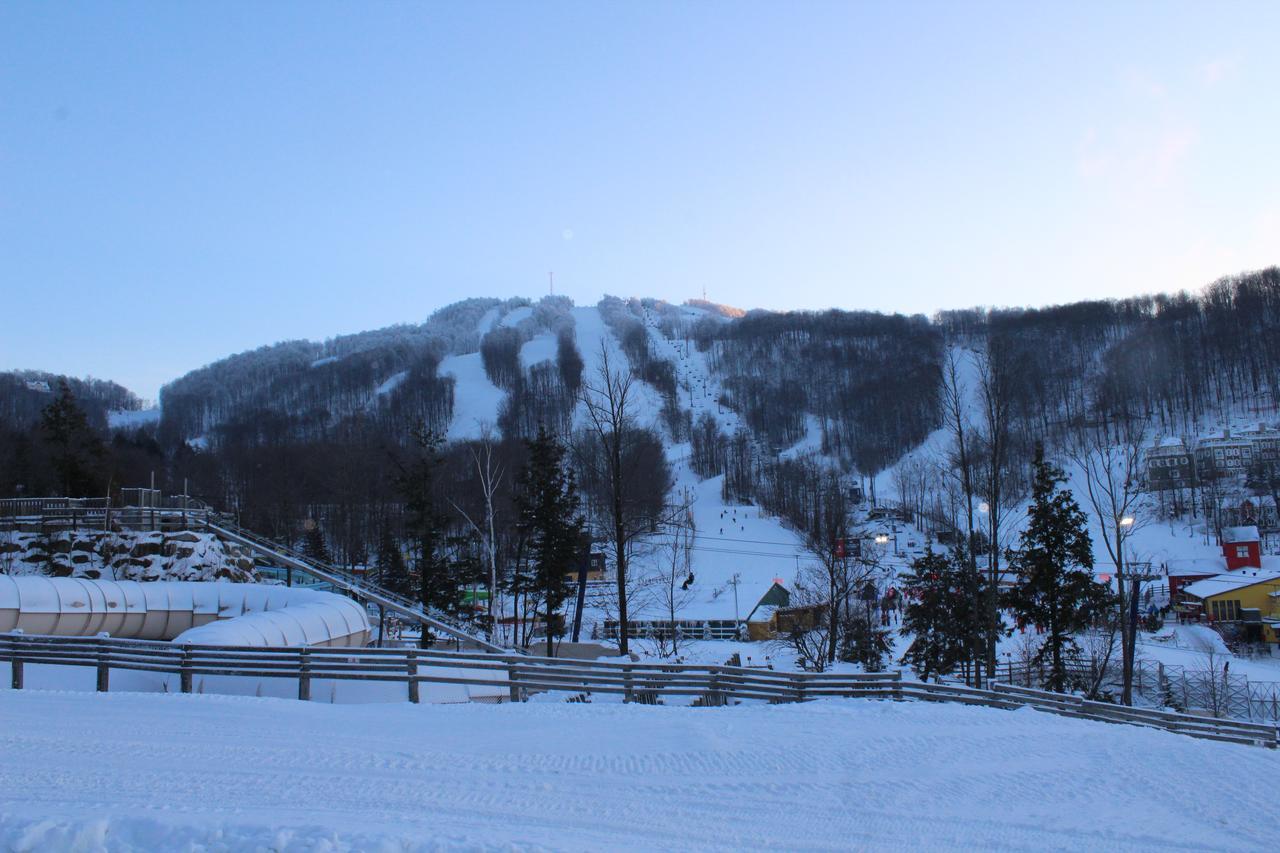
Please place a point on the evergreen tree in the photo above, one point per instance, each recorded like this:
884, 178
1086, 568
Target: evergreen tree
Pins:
547, 502
313, 544
943, 613
862, 640
438, 586
76, 451
393, 572
1055, 588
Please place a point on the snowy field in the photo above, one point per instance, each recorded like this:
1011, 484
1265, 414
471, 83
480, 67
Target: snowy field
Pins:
138, 772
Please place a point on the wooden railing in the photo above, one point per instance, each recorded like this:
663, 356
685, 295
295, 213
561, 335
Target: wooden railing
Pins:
53, 514
517, 676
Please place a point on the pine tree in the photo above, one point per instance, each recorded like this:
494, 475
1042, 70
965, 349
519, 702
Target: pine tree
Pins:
941, 613
393, 572
1055, 588
438, 587
313, 546
75, 450
547, 502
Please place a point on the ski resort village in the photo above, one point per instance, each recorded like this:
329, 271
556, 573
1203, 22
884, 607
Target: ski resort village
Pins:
595, 426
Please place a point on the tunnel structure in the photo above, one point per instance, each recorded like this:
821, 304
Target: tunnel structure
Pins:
218, 613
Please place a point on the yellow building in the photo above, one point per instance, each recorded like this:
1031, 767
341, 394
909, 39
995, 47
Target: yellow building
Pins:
1246, 598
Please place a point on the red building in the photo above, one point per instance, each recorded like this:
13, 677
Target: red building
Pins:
1242, 547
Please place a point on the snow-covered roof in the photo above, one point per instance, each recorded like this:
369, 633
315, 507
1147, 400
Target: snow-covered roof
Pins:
1247, 533
1239, 579
1202, 566
182, 611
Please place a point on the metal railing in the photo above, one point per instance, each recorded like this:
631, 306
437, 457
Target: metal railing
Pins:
52, 514
350, 583
519, 675
181, 511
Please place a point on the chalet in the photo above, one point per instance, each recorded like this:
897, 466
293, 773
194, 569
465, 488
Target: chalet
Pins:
1170, 465
1249, 511
1223, 455
1240, 550
1181, 573
1241, 547
1247, 600
711, 613
1266, 443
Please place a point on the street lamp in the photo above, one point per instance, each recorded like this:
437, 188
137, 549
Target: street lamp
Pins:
1127, 521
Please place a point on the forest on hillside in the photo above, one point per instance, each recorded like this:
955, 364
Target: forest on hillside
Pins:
320, 433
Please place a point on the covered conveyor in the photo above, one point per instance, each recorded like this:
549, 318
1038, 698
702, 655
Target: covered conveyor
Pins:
229, 614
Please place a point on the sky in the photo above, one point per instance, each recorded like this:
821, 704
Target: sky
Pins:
181, 181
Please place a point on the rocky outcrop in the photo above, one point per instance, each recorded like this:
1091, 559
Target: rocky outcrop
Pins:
185, 555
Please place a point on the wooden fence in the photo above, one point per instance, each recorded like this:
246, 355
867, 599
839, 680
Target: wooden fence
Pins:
519, 675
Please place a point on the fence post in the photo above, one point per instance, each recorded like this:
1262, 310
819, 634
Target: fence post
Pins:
513, 682
411, 667
897, 685
799, 680
104, 669
627, 695
714, 698
304, 674
184, 669
15, 664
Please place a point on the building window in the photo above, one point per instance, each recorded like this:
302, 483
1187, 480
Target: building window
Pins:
1242, 550
1225, 611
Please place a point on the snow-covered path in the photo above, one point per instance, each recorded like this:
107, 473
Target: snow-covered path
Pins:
128, 771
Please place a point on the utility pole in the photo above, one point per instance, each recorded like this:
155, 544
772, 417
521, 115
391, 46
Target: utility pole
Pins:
735, 580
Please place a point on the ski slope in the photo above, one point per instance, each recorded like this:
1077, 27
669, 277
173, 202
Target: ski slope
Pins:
143, 772
475, 399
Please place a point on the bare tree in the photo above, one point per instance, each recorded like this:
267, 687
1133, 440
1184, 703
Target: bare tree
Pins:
1112, 468
827, 538
1214, 677
489, 473
608, 399
674, 587
998, 487
956, 420
809, 632
1098, 646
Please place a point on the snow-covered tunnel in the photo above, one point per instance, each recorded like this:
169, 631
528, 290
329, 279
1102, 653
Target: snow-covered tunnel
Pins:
225, 614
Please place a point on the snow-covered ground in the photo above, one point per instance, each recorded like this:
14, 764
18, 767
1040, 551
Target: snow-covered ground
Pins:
134, 772
132, 419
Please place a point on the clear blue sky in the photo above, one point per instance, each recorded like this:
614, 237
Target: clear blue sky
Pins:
180, 181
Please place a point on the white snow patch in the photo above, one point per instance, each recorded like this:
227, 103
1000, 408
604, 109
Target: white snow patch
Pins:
392, 381
129, 419
539, 348
475, 399
516, 315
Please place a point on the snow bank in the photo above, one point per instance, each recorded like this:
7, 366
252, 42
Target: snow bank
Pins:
222, 773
